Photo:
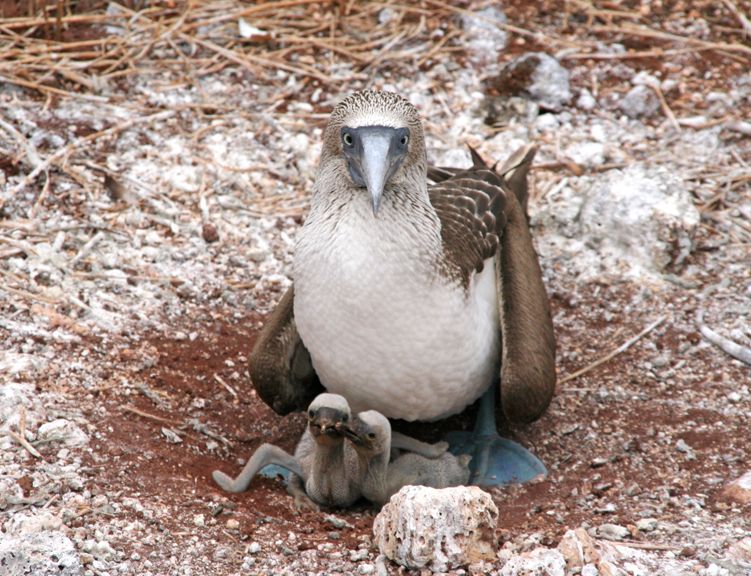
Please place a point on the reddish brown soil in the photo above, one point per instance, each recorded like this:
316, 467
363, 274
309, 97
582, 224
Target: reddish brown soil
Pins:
628, 463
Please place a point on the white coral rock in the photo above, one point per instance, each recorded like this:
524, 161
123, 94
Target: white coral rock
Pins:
440, 529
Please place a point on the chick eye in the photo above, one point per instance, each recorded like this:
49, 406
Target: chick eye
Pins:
371, 435
311, 413
347, 139
404, 139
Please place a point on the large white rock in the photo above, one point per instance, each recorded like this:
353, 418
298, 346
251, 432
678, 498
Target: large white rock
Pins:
39, 553
636, 222
538, 76
440, 529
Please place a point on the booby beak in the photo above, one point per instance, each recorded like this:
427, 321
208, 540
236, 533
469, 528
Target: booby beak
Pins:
327, 421
374, 154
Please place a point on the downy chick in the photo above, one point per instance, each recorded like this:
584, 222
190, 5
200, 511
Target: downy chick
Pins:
324, 469
370, 435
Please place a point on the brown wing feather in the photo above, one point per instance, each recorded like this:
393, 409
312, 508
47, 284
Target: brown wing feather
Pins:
469, 237
471, 207
280, 365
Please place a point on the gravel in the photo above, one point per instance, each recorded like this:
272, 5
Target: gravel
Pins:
633, 218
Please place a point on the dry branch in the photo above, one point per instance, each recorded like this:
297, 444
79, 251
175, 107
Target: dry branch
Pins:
622, 348
644, 32
742, 18
728, 346
134, 410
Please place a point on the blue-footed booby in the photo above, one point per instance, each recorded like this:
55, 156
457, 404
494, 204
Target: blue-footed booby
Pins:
413, 298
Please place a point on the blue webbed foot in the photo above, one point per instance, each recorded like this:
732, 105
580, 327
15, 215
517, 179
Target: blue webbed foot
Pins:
273, 471
495, 460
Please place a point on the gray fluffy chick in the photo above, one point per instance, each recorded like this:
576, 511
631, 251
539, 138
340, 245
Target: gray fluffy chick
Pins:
325, 469
370, 435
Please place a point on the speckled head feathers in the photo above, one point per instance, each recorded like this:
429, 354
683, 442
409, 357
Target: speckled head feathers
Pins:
371, 108
333, 401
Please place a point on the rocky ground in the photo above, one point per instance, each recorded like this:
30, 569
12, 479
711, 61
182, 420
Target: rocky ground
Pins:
154, 171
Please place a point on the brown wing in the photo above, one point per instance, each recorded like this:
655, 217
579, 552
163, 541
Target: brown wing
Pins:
471, 207
513, 177
280, 365
527, 340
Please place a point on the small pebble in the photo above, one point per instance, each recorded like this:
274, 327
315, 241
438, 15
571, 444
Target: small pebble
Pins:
609, 508
199, 520
337, 522
646, 525
381, 565
233, 524
613, 532
210, 232
366, 569
171, 436
681, 446
254, 548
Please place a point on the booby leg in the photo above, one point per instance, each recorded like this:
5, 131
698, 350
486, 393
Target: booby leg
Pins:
495, 460
267, 458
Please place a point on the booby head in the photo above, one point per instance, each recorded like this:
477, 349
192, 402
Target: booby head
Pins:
370, 432
326, 416
376, 138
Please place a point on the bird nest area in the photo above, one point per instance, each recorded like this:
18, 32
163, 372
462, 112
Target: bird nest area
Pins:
156, 161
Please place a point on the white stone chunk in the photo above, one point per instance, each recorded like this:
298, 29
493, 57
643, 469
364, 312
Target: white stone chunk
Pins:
40, 553
538, 562
64, 431
440, 529
739, 490
637, 222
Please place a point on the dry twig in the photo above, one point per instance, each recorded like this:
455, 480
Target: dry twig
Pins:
737, 351
622, 348
644, 545
143, 414
20, 436
742, 18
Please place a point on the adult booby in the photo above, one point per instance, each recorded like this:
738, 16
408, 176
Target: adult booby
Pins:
413, 298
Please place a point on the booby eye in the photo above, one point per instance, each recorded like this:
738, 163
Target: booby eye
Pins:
371, 435
311, 413
404, 139
347, 139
